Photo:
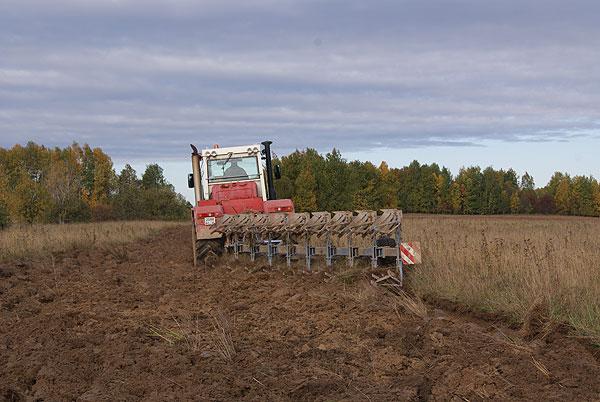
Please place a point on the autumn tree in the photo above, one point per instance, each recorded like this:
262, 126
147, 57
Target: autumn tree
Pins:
4, 212
582, 196
387, 187
64, 183
562, 195
527, 194
305, 196
32, 199
596, 197
443, 185
364, 181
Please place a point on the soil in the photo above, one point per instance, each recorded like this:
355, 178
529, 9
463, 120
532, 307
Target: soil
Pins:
142, 323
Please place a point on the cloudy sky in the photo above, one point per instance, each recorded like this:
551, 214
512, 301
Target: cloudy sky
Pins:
459, 82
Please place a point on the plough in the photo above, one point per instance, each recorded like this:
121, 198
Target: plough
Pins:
345, 234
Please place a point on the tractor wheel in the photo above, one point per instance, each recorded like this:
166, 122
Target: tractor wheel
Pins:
208, 251
386, 241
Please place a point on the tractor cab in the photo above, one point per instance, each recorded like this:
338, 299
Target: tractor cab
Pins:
233, 173
233, 180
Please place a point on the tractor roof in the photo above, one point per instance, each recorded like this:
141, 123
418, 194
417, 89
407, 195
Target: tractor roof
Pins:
252, 149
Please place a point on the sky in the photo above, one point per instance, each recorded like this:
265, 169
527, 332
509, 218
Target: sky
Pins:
457, 82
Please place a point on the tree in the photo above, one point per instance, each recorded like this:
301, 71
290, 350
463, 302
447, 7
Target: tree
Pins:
528, 196
527, 182
493, 186
153, 177
443, 184
544, 203
158, 197
457, 198
363, 199
305, 197
4, 211
596, 194
515, 203
582, 196
332, 183
387, 187
562, 195
33, 200
128, 199
104, 177
63, 182
470, 184
284, 187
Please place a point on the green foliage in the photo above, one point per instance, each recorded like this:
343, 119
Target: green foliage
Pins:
305, 195
127, 201
153, 177
79, 184
329, 182
159, 199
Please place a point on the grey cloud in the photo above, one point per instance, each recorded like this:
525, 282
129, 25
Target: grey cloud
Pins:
150, 77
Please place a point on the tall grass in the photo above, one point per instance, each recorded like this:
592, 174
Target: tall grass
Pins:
508, 264
31, 241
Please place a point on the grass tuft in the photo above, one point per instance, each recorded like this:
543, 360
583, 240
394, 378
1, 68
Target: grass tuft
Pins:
410, 304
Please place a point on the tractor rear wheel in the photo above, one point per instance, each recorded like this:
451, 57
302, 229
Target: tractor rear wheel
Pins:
386, 241
207, 251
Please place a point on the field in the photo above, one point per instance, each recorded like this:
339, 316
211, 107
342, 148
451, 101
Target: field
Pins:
510, 313
44, 241
513, 265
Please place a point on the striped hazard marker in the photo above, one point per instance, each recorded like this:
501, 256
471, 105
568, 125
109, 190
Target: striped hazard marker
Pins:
410, 253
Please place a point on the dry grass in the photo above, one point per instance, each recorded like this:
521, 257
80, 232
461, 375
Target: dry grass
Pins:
508, 264
221, 336
410, 304
207, 332
31, 241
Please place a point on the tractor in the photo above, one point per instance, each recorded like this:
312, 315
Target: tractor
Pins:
231, 181
236, 209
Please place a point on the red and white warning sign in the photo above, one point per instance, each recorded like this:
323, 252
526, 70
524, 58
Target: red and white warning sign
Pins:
410, 252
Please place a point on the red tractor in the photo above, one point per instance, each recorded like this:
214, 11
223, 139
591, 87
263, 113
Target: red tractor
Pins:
231, 181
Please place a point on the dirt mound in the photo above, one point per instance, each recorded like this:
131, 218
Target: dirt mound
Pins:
144, 324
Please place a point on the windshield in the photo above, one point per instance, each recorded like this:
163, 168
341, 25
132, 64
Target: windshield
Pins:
234, 167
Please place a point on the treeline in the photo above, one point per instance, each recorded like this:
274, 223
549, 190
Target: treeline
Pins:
79, 184
316, 182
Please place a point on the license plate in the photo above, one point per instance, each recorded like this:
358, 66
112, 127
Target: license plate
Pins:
210, 220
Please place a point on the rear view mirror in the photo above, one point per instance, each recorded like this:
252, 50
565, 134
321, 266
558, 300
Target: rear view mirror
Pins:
191, 180
277, 169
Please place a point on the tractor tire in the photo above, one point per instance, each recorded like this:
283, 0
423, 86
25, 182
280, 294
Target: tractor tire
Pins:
208, 251
386, 241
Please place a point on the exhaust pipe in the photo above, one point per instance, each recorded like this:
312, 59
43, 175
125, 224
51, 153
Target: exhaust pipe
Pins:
198, 193
269, 163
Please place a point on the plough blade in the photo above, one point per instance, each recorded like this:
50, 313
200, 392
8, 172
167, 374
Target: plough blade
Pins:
320, 233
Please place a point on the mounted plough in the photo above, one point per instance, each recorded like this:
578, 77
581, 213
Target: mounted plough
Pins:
237, 209
296, 236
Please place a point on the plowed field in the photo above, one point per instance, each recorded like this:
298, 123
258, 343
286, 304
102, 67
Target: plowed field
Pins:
143, 324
